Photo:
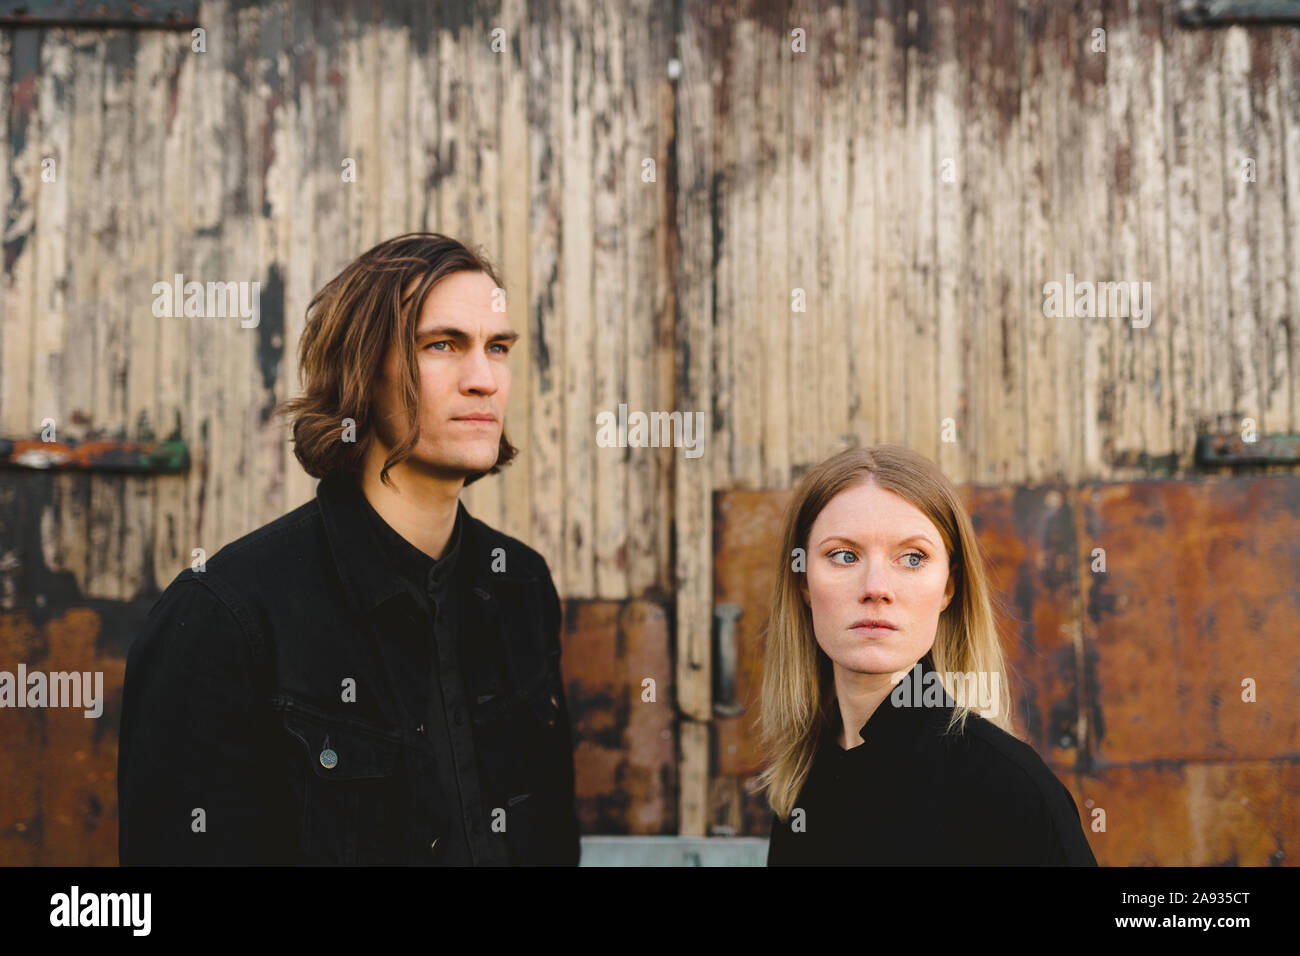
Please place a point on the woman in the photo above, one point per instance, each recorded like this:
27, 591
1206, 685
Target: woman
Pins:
885, 711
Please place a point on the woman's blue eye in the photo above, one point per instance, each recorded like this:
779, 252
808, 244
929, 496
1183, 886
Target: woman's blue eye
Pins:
439, 342
916, 554
849, 553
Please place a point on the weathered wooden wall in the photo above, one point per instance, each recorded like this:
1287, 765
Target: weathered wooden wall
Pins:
775, 170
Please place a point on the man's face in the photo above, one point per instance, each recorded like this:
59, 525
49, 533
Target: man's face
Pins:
875, 557
460, 346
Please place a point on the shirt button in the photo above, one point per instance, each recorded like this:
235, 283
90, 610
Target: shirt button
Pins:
420, 729
433, 847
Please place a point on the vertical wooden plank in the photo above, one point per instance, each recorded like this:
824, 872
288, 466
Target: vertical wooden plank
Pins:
774, 280
71, 491
1151, 343
1038, 67
646, 50
803, 406
862, 339
1096, 164
308, 174
238, 262
1184, 82
920, 332
483, 185
22, 132
390, 91
8, 308
579, 328
1003, 363
328, 144
743, 239
213, 173
1240, 147
1289, 113
948, 176
453, 210
1123, 428
112, 401
170, 516
279, 174
1070, 40
1212, 178
517, 511
60, 359
49, 203
978, 134
1074, 225
693, 344
1271, 199
546, 304
143, 332
724, 412
365, 69
893, 215
838, 38
611, 465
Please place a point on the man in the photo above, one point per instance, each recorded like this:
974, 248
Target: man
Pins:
373, 678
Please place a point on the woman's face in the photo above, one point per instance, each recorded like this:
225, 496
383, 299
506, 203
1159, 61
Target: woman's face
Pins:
874, 557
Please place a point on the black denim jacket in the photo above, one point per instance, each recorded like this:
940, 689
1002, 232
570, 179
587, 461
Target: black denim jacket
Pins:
289, 704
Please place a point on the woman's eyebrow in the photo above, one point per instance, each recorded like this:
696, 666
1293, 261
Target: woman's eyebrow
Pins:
911, 537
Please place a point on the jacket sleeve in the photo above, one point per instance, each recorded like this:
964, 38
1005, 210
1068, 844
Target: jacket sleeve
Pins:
567, 845
190, 778
1068, 845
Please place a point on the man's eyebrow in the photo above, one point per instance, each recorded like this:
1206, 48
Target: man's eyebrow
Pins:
451, 332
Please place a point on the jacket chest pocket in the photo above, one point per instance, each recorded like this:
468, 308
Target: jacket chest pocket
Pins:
345, 777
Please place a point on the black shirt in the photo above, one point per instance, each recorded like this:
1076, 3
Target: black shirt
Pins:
436, 587
911, 795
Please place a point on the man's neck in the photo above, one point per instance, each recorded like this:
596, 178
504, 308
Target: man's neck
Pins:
419, 507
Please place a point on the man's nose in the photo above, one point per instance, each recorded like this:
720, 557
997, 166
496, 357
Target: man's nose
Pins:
476, 375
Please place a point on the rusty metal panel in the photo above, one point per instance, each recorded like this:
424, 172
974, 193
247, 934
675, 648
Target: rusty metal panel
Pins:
625, 749
1220, 813
1199, 594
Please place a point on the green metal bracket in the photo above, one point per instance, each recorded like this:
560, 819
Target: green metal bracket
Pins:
150, 457
1231, 449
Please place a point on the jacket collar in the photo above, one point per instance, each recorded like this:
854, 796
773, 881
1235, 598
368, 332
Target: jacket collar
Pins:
364, 564
916, 707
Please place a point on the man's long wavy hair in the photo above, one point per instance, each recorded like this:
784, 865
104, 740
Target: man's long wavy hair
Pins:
351, 322
798, 694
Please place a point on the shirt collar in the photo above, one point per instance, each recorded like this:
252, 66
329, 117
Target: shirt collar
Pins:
373, 560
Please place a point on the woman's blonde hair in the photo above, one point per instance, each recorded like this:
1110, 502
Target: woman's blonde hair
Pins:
798, 697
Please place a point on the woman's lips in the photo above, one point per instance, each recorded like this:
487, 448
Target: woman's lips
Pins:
873, 630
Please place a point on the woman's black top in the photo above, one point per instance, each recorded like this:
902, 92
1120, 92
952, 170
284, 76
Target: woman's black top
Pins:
909, 795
